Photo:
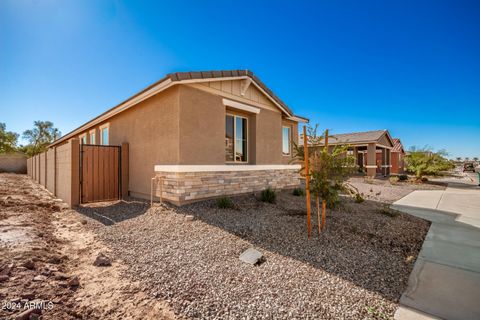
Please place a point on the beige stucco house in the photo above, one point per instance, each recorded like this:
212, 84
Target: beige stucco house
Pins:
200, 135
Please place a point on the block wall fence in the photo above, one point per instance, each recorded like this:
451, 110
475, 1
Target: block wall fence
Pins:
58, 170
16, 163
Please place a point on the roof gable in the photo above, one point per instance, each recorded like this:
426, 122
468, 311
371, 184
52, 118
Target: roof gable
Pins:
235, 89
226, 75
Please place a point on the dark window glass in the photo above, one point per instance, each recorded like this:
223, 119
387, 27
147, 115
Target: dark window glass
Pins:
229, 138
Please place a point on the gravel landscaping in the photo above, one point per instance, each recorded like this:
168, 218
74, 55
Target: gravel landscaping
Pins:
356, 269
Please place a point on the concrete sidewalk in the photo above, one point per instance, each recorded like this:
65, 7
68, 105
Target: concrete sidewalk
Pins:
445, 281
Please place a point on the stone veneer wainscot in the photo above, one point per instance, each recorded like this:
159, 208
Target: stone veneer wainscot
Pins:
184, 183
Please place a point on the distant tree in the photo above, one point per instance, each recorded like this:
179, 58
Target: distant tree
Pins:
424, 161
8, 139
475, 158
42, 135
467, 159
458, 159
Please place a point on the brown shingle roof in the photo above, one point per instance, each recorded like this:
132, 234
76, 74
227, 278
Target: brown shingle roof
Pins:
353, 138
356, 137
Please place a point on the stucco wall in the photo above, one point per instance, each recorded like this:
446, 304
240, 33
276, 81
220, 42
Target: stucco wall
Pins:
43, 169
16, 163
202, 130
51, 170
202, 127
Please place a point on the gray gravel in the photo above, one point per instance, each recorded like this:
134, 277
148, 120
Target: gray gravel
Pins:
356, 269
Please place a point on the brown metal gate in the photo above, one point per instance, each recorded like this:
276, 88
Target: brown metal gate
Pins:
100, 168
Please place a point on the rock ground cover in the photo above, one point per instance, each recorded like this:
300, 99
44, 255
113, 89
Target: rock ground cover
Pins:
168, 260
356, 269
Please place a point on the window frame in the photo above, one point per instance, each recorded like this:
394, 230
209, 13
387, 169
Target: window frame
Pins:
289, 141
235, 136
93, 133
83, 138
101, 128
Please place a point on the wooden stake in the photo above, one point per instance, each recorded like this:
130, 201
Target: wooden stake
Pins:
317, 198
307, 180
324, 213
324, 203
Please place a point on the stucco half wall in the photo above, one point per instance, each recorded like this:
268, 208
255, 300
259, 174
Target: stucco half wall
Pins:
180, 184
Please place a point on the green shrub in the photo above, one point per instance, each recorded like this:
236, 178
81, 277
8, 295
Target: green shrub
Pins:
298, 192
389, 212
225, 203
358, 198
393, 179
268, 195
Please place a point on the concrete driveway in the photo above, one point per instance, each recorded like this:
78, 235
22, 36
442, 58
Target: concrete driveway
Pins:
445, 281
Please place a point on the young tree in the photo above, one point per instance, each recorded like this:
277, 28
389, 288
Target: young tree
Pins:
42, 134
329, 170
424, 161
8, 139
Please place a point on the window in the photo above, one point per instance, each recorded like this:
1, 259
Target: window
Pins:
286, 141
83, 139
104, 136
235, 139
92, 137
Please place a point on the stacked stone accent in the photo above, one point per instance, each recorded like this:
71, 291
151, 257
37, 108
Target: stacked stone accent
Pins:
184, 187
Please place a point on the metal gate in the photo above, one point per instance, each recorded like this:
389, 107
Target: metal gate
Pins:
100, 173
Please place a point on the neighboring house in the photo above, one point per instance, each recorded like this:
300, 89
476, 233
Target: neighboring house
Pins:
371, 149
202, 135
398, 157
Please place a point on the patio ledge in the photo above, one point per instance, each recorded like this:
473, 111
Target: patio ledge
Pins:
218, 168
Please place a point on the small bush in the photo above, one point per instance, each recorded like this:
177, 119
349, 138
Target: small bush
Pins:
388, 212
369, 180
424, 179
402, 177
268, 195
359, 198
393, 179
298, 192
225, 203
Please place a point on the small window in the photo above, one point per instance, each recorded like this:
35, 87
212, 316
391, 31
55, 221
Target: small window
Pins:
286, 141
104, 136
83, 139
92, 137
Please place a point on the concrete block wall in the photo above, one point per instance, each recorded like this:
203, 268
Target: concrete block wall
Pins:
183, 187
15, 162
57, 169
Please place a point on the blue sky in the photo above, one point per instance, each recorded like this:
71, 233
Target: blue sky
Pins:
412, 67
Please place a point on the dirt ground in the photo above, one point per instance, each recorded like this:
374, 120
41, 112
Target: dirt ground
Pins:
46, 263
